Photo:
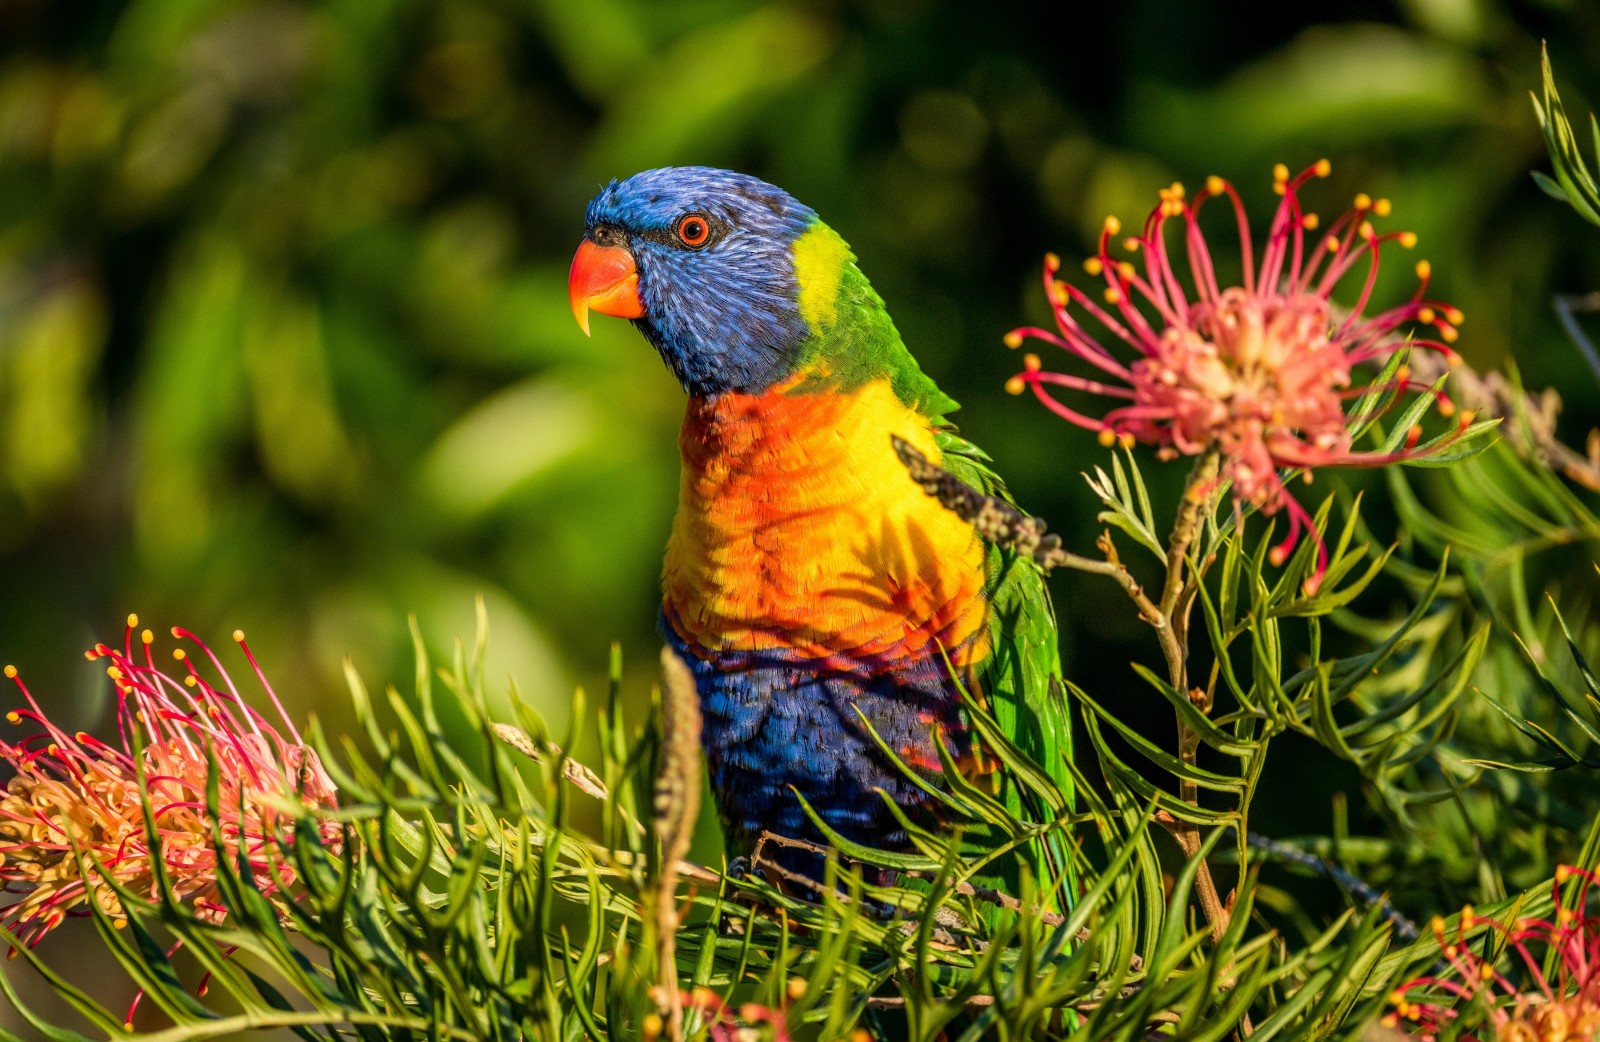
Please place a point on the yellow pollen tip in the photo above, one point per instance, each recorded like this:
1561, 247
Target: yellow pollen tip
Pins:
80, 737
1363, 201
1382, 207
1125, 440
1113, 225
795, 988
1402, 374
1215, 185
1563, 873
53, 749
190, 680
1031, 363
1125, 270
1367, 231
1447, 407
1094, 265
1323, 168
1449, 333
91, 655
238, 636
1331, 243
176, 632
133, 620
1408, 239
1132, 244
1456, 316
1016, 385
1058, 294
13, 717
1113, 295
1176, 191
1280, 172
1436, 924
1486, 971
1426, 316
1107, 437
147, 637
11, 672
1424, 269
179, 654
1052, 263
1013, 340
113, 672
1280, 188
1276, 556
1467, 416
1310, 221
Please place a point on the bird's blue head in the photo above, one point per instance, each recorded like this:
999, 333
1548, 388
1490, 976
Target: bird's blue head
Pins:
702, 260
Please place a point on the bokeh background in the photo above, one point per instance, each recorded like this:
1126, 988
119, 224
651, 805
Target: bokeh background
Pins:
284, 335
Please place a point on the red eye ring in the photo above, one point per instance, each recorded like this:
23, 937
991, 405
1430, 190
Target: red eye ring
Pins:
693, 230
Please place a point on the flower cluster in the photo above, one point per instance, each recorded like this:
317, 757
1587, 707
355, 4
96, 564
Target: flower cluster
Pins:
1258, 373
73, 819
1504, 986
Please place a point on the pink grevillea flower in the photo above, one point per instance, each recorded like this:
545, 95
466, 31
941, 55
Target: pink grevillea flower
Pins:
1507, 996
73, 818
1258, 372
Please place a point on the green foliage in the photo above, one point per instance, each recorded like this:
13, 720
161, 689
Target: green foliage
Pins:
1573, 183
467, 904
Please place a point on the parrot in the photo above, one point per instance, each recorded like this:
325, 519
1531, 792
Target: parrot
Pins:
831, 610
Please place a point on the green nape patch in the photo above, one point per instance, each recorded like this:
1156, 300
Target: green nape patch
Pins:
853, 339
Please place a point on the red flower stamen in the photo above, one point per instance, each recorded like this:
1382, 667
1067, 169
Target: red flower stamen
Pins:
1259, 372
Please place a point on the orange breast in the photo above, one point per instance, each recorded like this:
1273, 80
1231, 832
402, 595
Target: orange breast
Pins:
798, 528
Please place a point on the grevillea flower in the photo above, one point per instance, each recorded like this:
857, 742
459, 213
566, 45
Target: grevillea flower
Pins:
1258, 372
73, 818
1508, 996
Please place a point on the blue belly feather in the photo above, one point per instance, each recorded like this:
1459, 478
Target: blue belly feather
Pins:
776, 723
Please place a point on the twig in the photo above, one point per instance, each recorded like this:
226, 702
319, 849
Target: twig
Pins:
676, 806
1005, 526
1531, 426
586, 781
1175, 645
1567, 309
582, 777
1404, 928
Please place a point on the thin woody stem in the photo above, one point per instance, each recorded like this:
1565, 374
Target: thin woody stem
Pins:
1176, 598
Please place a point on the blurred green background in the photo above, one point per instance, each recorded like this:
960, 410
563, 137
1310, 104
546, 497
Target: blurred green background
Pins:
284, 337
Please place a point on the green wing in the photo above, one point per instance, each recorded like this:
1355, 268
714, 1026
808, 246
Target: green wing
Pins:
1021, 678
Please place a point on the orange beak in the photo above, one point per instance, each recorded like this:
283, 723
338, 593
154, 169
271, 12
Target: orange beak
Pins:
603, 279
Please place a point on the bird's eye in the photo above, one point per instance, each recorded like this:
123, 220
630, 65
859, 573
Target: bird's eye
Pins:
693, 230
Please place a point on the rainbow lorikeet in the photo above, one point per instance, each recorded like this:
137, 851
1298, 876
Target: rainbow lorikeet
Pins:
824, 601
